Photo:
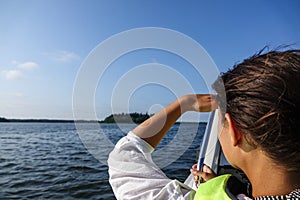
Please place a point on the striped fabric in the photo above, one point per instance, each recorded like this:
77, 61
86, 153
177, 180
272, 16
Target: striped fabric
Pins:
295, 195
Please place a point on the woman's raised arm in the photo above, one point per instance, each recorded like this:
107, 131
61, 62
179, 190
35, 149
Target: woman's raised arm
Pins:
155, 128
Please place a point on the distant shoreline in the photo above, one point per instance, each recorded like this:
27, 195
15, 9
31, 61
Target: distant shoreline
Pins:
42, 120
4, 120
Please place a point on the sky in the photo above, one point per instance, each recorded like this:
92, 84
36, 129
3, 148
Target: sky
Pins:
44, 43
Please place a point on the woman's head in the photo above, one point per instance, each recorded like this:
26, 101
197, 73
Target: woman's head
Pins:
263, 100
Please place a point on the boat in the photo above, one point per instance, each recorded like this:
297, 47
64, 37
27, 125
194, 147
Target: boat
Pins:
211, 154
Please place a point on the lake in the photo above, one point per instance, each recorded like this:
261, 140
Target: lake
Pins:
49, 160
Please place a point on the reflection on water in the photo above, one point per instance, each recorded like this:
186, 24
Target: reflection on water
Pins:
48, 160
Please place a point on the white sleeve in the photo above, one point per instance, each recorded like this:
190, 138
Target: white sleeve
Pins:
133, 175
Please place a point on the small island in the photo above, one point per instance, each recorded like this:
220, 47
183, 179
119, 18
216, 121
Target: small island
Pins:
136, 118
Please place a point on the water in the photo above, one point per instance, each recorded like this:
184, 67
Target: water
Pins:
49, 161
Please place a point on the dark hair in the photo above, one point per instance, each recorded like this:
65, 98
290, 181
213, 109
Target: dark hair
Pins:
263, 98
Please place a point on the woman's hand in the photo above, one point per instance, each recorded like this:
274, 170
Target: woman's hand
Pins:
206, 173
199, 102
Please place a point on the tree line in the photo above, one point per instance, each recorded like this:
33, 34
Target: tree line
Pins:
135, 117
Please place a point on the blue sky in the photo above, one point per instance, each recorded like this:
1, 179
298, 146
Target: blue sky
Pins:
44, 42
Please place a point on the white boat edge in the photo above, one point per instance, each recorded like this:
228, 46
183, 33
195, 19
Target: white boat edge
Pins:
212, 155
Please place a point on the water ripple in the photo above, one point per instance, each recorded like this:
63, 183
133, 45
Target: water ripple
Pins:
49, 161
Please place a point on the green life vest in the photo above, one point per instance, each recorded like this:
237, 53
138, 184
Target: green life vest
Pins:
213, 189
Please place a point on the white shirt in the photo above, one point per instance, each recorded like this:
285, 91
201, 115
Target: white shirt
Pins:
133, 175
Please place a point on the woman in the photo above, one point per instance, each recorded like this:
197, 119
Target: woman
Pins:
258, 132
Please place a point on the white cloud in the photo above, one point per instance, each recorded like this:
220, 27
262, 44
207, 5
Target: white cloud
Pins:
12, 94
17, 94
12, 74
63, 56
14, 62
28, 65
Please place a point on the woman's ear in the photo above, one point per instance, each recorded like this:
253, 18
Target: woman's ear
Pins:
235, 134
